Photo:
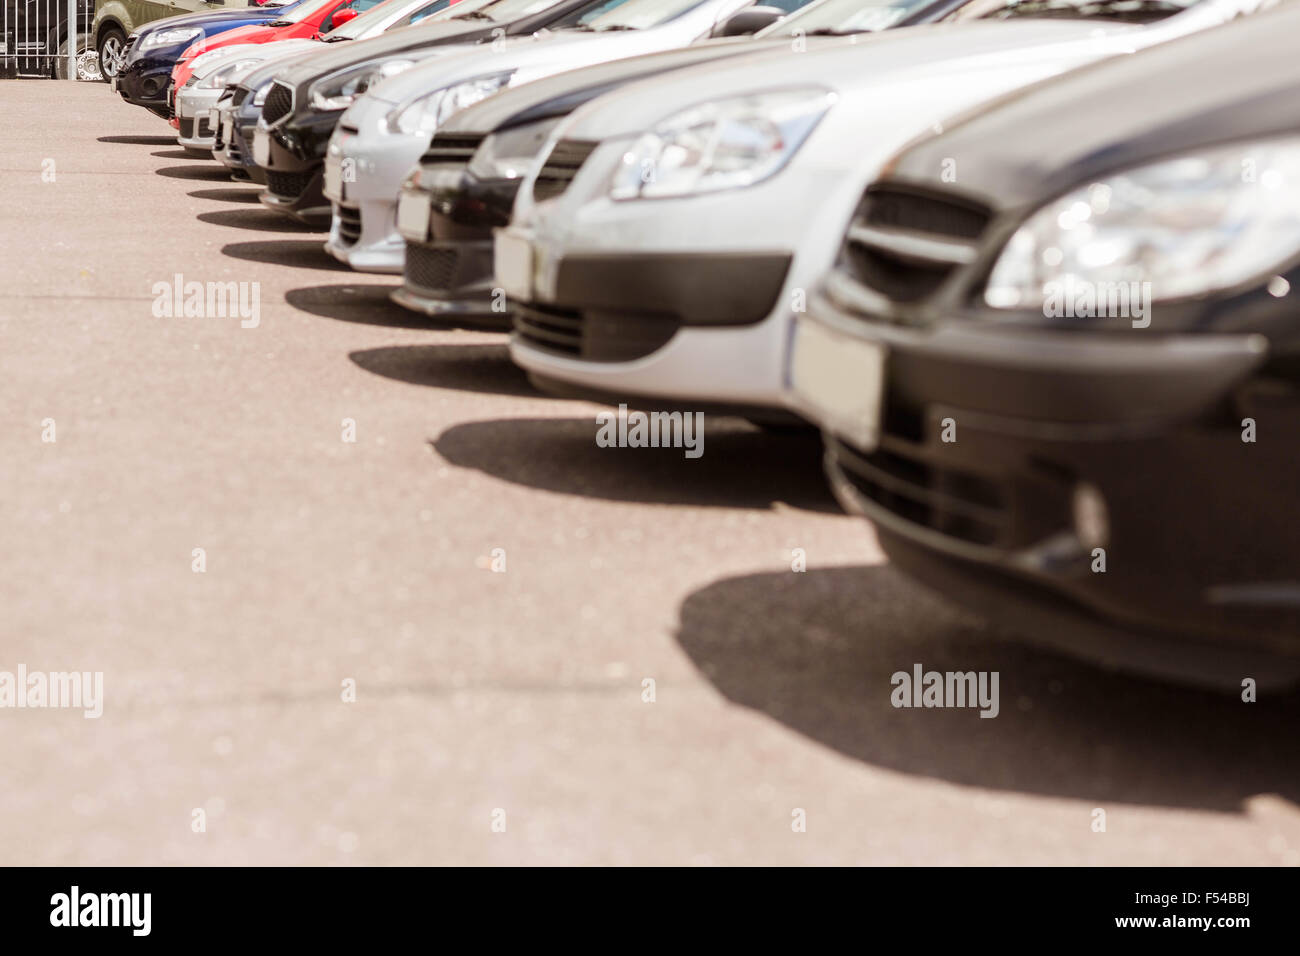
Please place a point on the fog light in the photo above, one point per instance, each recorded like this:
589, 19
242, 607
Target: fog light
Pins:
1091, 522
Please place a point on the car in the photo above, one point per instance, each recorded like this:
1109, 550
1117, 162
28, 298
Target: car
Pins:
466, 183
316, 92
201, 81
240, 106
34, 40
118, 24
385, 132
615, 301
307, 20
1123, 473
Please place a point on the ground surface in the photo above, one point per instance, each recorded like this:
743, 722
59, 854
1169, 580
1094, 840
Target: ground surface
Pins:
521, 691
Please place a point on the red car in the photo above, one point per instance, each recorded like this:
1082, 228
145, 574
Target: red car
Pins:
301, 23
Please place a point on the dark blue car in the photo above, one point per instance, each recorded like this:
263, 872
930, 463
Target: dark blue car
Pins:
144, 77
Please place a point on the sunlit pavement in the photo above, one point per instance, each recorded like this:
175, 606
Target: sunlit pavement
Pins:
517, 697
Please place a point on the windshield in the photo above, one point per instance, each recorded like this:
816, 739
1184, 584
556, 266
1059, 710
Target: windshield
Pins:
301, 12
842, 17
632, 14
503, 11
371, 18
1130, 11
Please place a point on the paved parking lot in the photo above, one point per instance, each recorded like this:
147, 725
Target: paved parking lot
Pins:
329, 562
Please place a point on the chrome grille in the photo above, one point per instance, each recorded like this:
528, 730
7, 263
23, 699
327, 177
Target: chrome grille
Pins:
905, 242
279, 103
560, 167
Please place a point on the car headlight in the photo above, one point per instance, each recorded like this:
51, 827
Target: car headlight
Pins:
337, 92
509, 153
170, 37
217, 79
726, 144
1188, 225
260, 96
429, 111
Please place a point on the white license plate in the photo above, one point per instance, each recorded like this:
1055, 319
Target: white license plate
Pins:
214, 118
512, 261
112, 84
413, 216
333, 179
227, 131
840, 381
261, 147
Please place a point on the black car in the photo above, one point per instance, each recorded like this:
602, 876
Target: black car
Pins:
448, 270
34, 38
304, 105
1066, 336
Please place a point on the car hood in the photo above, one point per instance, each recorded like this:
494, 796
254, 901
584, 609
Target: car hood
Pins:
562, 93
224, 56
203, 19
340, 56
938, 54
1231, 83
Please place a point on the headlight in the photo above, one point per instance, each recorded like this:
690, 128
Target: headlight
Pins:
337, 92
726, 144
1188, 225
508, 154
260, 96
219, 78
169, 37
428, 112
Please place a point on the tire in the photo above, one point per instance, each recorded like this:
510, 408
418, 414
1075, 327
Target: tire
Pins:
87, 60
112, 51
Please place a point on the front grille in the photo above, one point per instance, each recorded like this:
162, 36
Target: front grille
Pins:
279, 103
349, 220
241, 94
204, 129
953, 502
560, 167
905, 242
287, 185
452, 147
593, 336
186, 128
431, 267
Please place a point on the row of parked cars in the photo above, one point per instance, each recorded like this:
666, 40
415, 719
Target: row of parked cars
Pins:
1030, 265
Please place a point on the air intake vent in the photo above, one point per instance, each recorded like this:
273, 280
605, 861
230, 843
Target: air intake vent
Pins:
561, 166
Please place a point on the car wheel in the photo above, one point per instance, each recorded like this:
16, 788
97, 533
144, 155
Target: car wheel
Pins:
87, 60
112, 53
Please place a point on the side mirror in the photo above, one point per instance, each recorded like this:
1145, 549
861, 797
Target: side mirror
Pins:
749, 20
341, 16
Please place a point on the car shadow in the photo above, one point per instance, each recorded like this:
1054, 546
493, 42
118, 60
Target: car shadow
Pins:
138, 140
741, 467
182, 154
465, 368
299, 253
212, 172
816, 652
259, 220
365, 304
227, 195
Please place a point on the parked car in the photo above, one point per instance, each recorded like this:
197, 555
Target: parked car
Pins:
1122, 479
383, 134
616, 301
117, 21
34, 39
309, 19
466, 183
317, 92
240, 107
201, 81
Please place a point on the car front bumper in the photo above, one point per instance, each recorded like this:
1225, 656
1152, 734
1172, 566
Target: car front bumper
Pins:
295, 153
1092, 492
193, 113
146, 82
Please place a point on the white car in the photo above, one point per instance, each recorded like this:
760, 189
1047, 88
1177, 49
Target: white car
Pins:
383, 133
659, 254
212, 71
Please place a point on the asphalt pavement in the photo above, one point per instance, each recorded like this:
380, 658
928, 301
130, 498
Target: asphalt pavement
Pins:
349, 680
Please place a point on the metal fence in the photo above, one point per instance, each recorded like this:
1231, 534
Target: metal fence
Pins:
34, 39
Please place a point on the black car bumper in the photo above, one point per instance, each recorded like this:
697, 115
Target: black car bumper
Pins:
146, 82
295, 165
449, 273
1008, 457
